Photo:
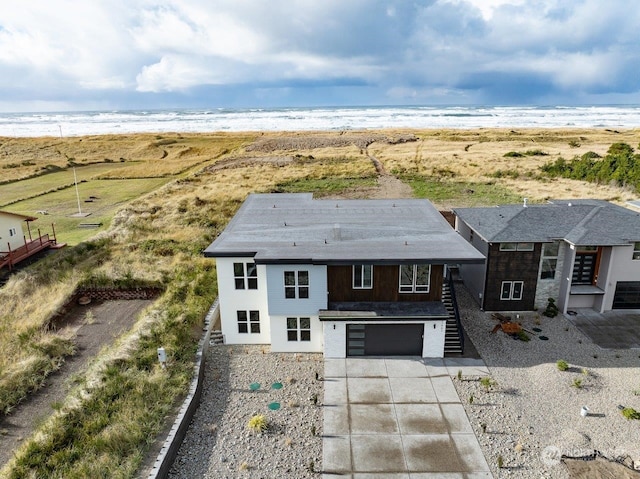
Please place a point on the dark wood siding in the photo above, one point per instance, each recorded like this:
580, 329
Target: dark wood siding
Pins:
385, 285
511, 266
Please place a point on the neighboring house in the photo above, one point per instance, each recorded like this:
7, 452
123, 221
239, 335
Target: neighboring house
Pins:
11, 234
343, 277
581, 253
16, 244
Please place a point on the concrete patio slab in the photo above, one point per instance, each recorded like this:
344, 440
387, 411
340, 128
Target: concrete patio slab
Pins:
401, 425
456, 418
445, 392
436, 367
418, 390
438, 475
369, 390
335, 391
381, 475
336, 454
378, 453
366, 368
373, 419
335, 420
418, 418
470, 453
433, 452
335, 368
406, 368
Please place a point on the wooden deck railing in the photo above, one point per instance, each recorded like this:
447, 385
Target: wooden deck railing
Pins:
11, 257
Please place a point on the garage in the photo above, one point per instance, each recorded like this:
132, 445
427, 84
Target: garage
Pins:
627, 295
385, 339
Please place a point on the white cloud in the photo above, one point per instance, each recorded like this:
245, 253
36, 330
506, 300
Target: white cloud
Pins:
51, 51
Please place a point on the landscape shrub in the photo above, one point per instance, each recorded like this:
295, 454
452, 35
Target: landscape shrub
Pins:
258, 423
630, 413
562, 365
551, 310
620, 166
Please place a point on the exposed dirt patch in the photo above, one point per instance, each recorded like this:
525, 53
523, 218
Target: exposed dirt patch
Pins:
94, 326
310, 141
243, 162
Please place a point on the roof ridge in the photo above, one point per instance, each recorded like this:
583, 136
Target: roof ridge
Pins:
580, 228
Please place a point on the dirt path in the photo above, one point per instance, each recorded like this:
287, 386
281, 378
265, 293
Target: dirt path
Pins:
388, 187
107, 321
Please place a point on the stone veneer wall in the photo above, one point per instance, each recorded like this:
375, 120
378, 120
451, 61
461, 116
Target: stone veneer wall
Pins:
550, 288
110, 294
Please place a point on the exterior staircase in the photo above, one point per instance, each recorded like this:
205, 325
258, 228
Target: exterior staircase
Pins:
453, 336
216, 338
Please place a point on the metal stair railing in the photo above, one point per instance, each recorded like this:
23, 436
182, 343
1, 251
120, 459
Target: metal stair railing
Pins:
456, 312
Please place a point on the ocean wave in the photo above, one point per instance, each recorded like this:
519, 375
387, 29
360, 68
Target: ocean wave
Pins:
320, 118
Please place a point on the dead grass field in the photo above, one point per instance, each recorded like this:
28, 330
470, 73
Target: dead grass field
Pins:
159, 228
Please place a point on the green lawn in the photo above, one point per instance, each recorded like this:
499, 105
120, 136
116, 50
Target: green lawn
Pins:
38, 185
323, 186
464, 194
60, 205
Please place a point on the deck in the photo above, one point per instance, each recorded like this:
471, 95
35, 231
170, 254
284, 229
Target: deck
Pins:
13, 257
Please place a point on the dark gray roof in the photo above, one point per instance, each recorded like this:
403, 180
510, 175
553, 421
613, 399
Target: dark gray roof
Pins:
297, 228
581, 222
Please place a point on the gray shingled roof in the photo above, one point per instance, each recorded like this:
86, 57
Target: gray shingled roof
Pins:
298, 228
581, 222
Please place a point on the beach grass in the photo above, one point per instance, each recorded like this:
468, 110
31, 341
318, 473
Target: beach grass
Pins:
155, 230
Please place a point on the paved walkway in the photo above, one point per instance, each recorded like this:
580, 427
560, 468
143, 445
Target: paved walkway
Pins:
398, 418
617, 329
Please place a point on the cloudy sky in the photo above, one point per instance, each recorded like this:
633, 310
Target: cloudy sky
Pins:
116, 54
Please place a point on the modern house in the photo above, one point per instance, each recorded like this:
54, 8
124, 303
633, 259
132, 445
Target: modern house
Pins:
15, 245
581, 253
343, 277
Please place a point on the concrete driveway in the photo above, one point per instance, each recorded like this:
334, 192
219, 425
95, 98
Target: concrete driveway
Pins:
398, 418
616, 329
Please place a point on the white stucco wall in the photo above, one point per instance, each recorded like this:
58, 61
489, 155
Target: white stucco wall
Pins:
6, 223
433, 339
335, 339
582, 301
281, 306
233, 300
621, 268
280, 343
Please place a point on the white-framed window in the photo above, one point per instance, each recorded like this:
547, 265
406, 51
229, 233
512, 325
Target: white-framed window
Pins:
248, 321
549, 260
511, 290
636, 250
363, 276
12, 232
414, 278
296, 284
516, 246
245, 275
298, 329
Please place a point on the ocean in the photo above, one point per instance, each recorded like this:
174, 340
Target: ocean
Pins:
342, 118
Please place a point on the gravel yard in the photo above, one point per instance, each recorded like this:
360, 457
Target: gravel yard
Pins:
218, 443
532, 412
